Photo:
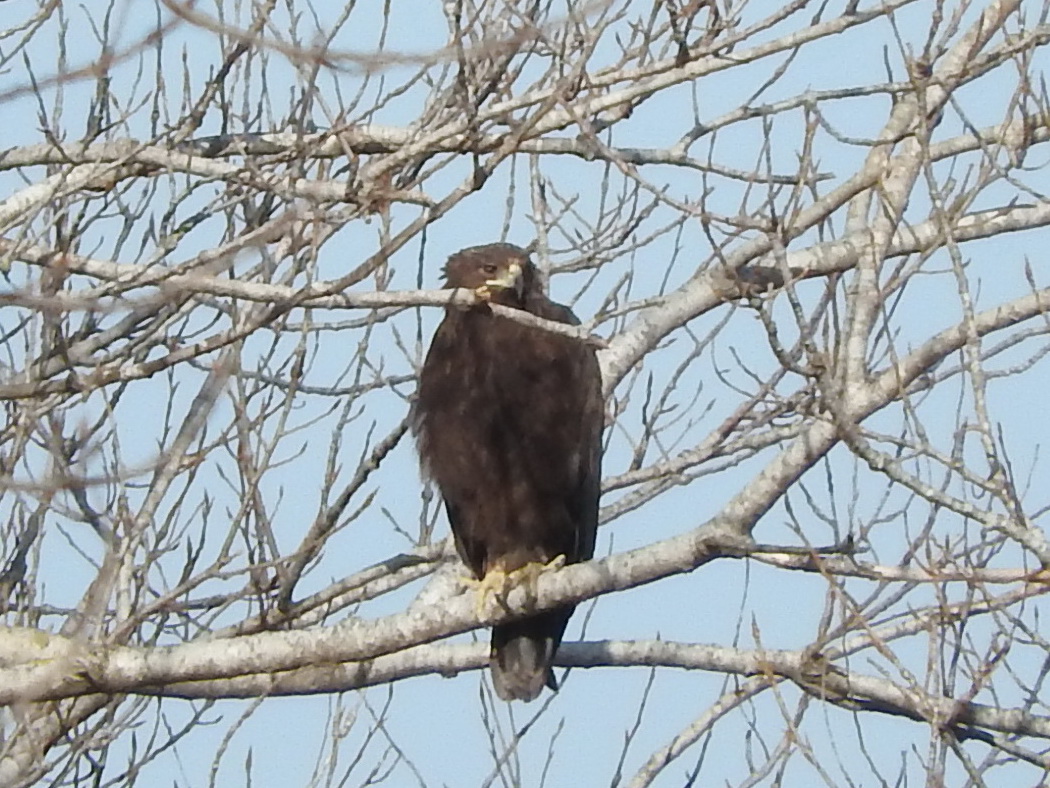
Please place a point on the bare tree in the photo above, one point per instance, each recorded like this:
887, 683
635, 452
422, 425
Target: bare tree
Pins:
807, 238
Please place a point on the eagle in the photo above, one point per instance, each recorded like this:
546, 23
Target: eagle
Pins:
508, 421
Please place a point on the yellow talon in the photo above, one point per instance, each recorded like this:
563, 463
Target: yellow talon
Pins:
530, 573
495, 585
556, 563
498, 582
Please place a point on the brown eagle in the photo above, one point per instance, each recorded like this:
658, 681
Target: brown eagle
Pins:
508, 420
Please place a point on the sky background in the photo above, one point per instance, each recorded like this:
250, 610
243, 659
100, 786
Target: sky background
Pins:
437, 724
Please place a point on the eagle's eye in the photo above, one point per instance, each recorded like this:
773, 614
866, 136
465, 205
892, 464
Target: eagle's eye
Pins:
489, 269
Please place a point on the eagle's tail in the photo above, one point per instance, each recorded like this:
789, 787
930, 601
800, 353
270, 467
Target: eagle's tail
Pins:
522, 654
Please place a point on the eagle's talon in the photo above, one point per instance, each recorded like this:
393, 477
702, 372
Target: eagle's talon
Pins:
498, 583
494, 584
530, 574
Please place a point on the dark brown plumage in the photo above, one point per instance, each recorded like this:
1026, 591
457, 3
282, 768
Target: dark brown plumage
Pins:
508, 421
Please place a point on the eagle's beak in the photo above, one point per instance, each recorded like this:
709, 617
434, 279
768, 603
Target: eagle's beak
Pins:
510, 279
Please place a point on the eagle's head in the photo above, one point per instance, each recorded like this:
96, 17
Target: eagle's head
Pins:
501, 273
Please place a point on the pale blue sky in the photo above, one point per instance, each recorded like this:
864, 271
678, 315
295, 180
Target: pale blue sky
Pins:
435, 721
